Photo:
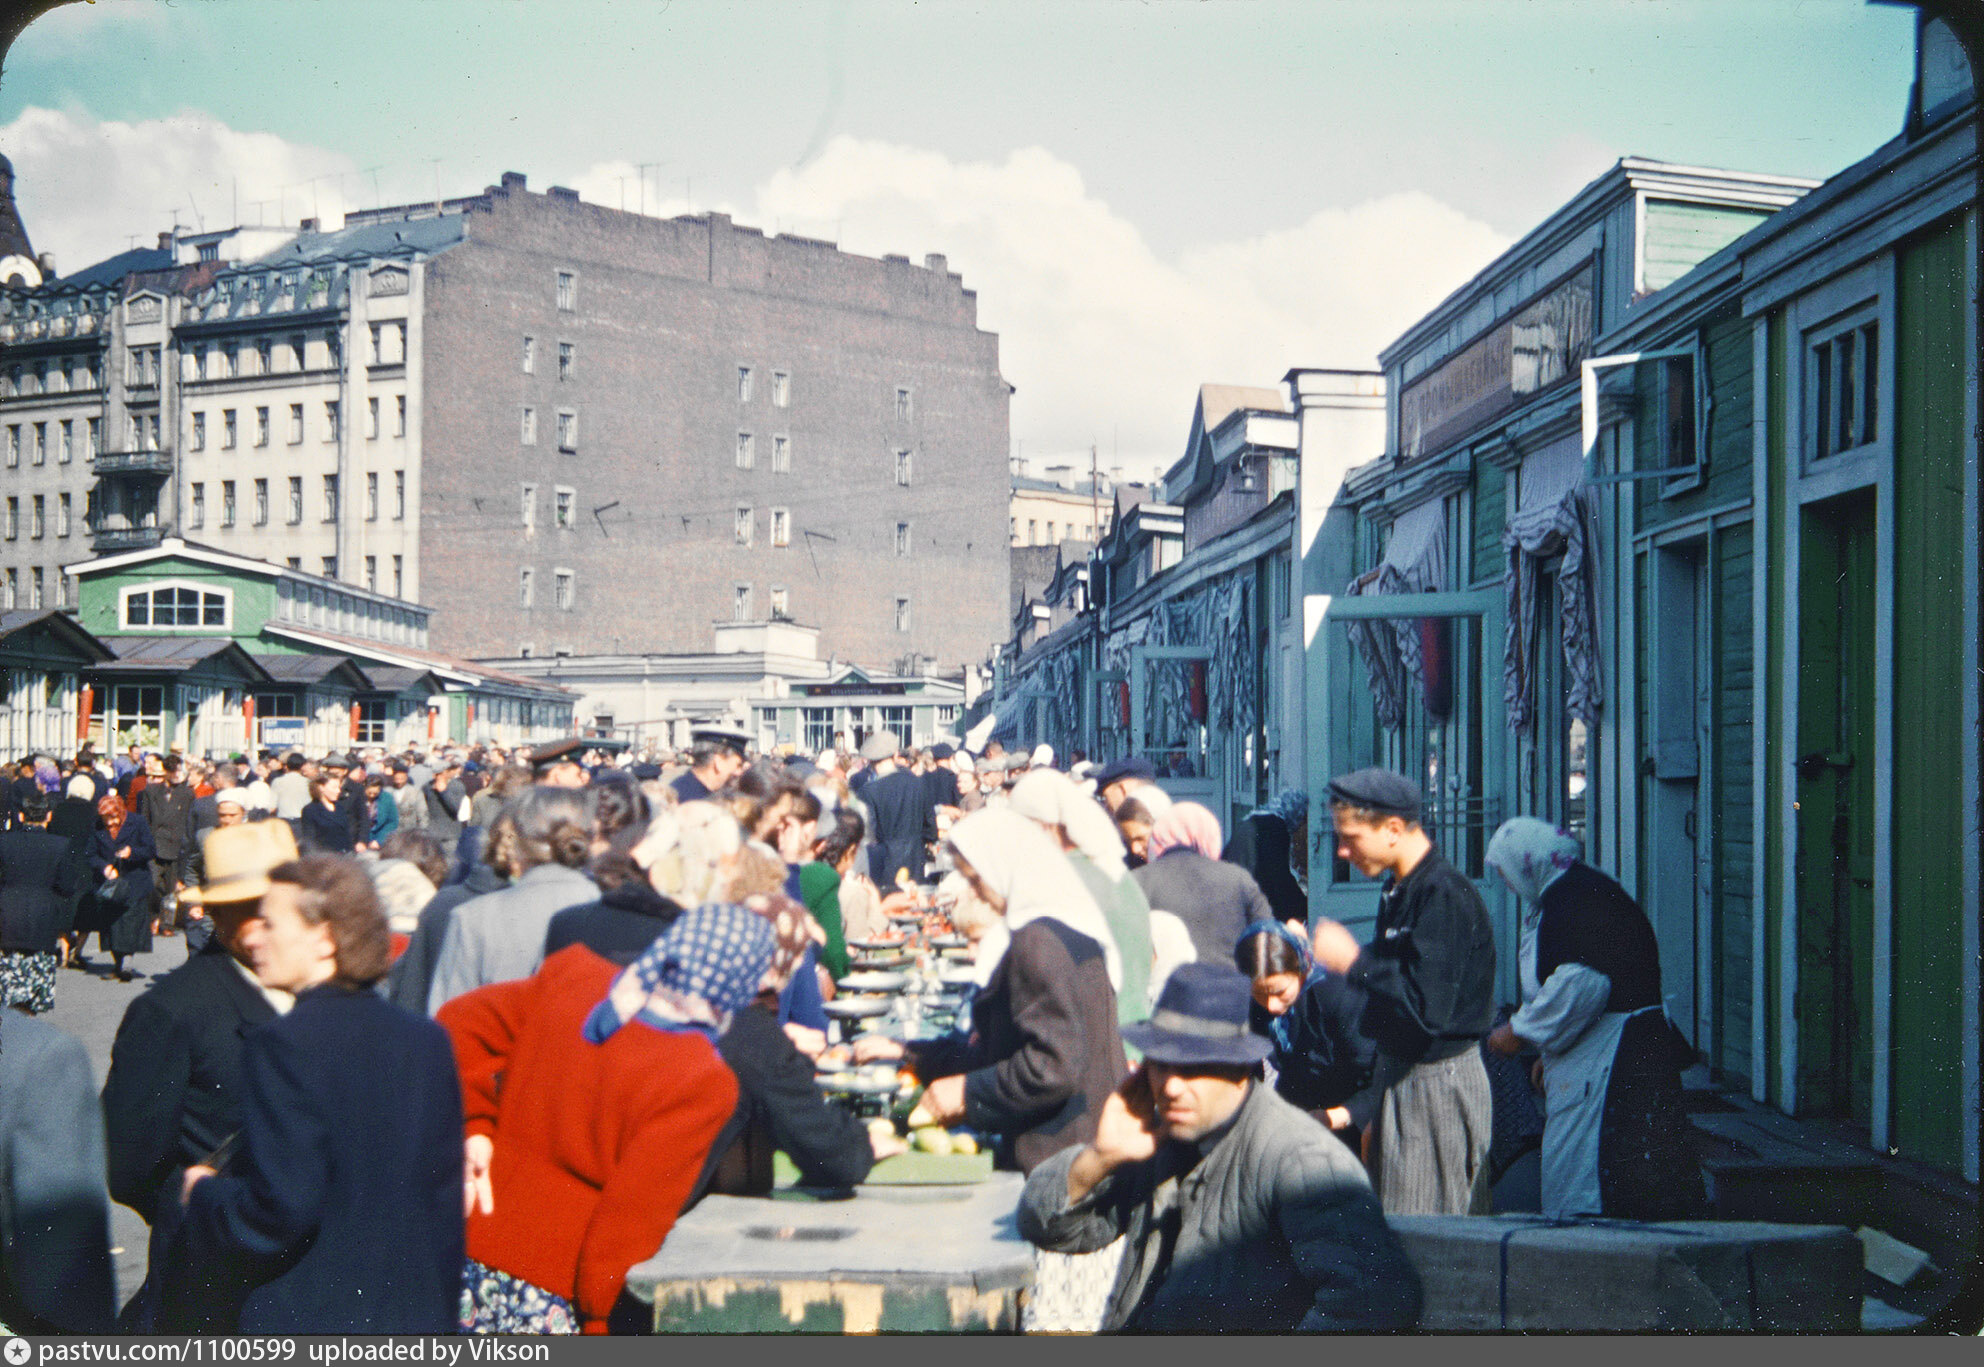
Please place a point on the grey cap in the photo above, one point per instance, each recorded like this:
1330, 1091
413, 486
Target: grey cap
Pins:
880, 746
1378, 790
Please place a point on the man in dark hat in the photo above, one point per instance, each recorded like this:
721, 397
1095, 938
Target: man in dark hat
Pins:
556, 765
1242, 1213
1430, 975
716, 757
941, 782
1121, 778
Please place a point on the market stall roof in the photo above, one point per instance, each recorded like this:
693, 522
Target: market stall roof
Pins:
177, 654
336, 670
19, 629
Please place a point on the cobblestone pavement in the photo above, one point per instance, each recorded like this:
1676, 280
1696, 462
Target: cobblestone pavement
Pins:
89, 1004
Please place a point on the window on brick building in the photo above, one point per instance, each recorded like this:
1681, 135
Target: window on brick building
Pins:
568, 430
530, 355
740, 602
563, 583
530, 427
530, 506
525, 583
743, 384
743, 526
747, 451
781, 455
567, 353
568, 291
902, 538
782, 607
781, 389
562, 501
902, 614
781, 527
902, 405
902, 467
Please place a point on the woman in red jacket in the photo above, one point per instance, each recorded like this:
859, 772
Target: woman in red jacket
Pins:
591, 1097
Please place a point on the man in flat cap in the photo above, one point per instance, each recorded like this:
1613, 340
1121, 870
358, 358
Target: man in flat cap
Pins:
716, 756
905, 818
1430, 975
1122, 778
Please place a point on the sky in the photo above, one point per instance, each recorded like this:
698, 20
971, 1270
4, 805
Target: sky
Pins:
1147, 195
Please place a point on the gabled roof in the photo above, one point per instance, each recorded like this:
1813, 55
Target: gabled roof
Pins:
312, 669
399, 678
445, 667
57, 622
1217, 402
175, 654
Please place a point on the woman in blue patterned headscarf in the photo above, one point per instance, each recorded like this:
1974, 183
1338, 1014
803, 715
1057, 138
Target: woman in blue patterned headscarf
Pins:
1323, 1060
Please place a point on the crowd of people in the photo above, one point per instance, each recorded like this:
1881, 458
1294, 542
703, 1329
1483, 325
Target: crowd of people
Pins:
462, 1033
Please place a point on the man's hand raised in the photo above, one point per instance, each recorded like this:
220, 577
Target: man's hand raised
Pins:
1126, 1132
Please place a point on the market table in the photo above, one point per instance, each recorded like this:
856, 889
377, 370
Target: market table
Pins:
909, 1258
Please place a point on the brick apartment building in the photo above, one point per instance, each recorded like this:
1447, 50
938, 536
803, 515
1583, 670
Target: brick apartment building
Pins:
562, 428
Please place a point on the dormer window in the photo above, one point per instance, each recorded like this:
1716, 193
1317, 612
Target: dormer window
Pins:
175, 605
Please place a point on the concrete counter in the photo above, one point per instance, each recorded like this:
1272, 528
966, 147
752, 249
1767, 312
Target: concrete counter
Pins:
943, 1259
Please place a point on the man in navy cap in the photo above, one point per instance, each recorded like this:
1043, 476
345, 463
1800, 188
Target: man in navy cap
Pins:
716, 757
1430, 973
1121, 778
1242, 1213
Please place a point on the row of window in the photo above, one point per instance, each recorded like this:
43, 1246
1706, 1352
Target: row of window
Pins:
196, 516
230, 434
299, 352
11, 596
316, 606
1057, 532
38, 516
568, 355
564, 588
781, 386
743, 602
568, 428
65, 440
57, 376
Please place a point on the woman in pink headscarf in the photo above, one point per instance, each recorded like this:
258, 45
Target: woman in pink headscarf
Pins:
1185, 877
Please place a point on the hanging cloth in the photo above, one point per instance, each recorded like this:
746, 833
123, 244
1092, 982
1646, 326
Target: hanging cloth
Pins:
1549, 521
1415, 562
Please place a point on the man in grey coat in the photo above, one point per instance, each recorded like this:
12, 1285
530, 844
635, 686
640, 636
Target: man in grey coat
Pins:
1242, 1213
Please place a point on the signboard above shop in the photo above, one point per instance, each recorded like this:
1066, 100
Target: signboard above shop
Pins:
281, 731
1535, 347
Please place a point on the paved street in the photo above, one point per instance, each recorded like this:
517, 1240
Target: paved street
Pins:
89, 1005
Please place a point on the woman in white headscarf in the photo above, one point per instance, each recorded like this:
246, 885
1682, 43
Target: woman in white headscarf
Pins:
1043, 1055
1615, 1136
1086, 835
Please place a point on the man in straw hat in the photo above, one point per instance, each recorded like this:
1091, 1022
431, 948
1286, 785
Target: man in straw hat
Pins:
174, 1094
1241, 1213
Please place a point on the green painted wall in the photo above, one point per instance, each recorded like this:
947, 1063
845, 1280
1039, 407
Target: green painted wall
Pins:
1735, 779
1927, 830
96, 597
1776, 803
1680, 236
1728, 439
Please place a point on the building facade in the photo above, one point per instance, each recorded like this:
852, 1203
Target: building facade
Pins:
566, 429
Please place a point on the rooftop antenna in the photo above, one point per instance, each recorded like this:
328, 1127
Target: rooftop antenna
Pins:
645, 167
378, 200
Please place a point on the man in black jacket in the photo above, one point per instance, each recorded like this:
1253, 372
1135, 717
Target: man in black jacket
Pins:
167, 807
905, 817
174, 1094
1430, 975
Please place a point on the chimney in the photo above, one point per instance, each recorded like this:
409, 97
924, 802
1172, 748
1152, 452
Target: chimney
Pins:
565, 193
308, 225
47, 263
165, 241
513, 180
935, 262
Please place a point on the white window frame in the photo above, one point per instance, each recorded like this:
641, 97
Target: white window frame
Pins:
565, 589
529, 429
903, 466
200, 586
747, 451
744, 526
781, 454
781, 389
528, 499
781, 529
1679, 479
526, 586
568, 430
530, 354
564, 507
743, 384
566, 289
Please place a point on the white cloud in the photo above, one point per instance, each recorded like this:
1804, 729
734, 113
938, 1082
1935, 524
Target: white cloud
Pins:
1106, 340
87, 189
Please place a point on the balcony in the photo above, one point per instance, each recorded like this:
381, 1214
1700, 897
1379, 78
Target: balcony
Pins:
133, 463
111, 540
